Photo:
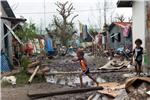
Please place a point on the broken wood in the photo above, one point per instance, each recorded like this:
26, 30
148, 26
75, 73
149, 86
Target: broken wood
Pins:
34, 64
31, 71
63, 92
34, 73
135, 82
41, 71
111, 88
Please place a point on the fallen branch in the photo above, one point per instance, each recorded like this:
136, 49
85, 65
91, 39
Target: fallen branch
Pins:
71, 91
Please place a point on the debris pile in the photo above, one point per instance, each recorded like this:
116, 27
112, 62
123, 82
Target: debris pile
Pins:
135, 88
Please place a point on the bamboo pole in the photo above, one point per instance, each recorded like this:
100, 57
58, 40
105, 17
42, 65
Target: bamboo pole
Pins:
34, 64
34, 73
63, 92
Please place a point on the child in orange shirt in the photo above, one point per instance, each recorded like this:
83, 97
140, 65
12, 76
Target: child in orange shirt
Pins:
84, 67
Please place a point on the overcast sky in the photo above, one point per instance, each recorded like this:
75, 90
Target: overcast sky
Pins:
88, 11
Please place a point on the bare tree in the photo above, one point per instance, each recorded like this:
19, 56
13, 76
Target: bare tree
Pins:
65, 10
120, 18
130, 19
105, 10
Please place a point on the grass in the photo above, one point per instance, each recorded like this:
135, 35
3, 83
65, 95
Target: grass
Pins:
23, 77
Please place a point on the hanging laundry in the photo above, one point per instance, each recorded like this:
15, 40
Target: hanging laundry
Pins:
34, 47
49, 46
29, 48
37, 45
81, 27
99, 40
85, 32
42, 44
126, 31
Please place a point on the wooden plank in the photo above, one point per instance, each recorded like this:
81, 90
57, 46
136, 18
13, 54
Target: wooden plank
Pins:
111, 88
92, 72
63, 92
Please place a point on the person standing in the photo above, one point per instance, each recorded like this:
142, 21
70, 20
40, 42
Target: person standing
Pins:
137, 53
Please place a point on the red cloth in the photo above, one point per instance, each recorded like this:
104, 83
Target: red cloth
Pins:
126, 31
29, 48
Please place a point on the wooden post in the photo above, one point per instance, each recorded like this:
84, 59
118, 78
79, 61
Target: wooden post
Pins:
147, 38
70, 91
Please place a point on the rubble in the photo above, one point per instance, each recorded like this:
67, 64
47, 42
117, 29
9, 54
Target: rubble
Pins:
111, 89
115, 65
135, 88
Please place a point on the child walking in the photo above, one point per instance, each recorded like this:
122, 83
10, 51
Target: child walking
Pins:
84, 67
138, 52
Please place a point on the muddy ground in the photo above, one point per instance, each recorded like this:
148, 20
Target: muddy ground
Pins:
58, 64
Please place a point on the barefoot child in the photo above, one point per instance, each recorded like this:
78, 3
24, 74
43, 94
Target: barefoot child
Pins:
84, 67
138, 52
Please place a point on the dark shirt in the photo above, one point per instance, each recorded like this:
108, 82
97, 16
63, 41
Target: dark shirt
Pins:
138, 54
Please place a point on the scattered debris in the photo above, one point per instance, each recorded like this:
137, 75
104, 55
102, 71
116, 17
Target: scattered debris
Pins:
115, 65
111, 89
138, 87
135, 88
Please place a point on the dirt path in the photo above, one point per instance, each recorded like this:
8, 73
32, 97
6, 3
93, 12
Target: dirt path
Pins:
20, 93
61, 64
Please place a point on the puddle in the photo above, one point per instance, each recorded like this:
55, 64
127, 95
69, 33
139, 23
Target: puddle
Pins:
71, 80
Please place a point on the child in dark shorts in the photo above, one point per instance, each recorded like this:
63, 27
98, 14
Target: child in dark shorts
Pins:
84, 67
138, 52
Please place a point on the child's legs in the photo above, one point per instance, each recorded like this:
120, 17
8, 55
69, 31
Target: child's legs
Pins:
136, 67
92, 78
139, 69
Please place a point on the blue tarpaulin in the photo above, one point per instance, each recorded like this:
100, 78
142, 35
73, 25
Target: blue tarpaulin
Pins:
5, 65
49, 46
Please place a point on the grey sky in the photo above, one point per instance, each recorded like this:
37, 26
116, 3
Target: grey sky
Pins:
88, 11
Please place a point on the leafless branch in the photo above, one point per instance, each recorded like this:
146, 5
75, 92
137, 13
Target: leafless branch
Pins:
73, 18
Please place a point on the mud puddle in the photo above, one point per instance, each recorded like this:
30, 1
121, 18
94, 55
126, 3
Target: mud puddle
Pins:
71, 80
